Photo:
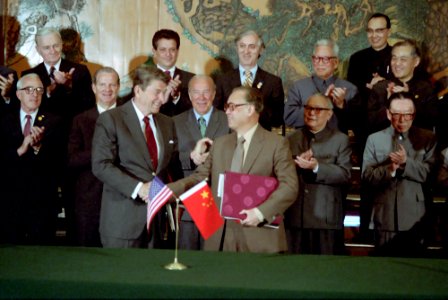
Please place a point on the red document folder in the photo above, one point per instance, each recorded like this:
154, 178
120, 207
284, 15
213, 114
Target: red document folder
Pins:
245, 191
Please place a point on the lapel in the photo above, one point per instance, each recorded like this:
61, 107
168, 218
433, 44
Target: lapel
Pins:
42, 72
235, 79
133, 124
194, 127
162, 135
213, 124
259, 79
256, 145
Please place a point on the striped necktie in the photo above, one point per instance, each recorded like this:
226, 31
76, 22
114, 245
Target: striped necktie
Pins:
249, 80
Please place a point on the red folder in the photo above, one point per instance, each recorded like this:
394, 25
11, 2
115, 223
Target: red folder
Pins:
245, 191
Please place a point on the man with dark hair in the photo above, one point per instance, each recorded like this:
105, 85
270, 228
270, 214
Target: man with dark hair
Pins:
165, 44
396, 167
249, 47
405, 58
87, 188
314, 223
250, 149
131, 144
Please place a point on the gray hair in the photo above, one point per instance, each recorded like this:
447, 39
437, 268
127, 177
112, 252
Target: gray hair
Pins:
27, 76
329, 43
249, 32
46, 31
322, 96
105, 70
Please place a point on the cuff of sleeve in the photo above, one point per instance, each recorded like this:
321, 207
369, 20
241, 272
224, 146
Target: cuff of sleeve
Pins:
316, 169
259, 214
137, 188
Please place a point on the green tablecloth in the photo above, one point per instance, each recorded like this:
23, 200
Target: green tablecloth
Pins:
71, 272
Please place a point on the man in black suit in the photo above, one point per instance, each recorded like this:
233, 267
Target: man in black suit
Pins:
68, 92
8, 81
249, 46
201, 121
131, 143
88, 189
165, 43
30, 154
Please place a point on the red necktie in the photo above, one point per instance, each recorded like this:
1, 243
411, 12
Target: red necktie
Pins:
27, 128
168, 73
151, 142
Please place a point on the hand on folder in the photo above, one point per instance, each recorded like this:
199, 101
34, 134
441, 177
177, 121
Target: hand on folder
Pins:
251, 217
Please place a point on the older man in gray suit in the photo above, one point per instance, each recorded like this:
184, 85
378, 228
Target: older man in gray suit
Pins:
396, 166
131, 143
260, 153
322, 156
201, 121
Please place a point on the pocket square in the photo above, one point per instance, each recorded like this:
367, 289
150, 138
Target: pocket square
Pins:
170, 142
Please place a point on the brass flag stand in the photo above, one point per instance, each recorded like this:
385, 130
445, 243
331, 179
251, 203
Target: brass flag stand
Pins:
176, 265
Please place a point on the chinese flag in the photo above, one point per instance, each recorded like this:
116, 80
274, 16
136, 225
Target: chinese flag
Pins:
203, 210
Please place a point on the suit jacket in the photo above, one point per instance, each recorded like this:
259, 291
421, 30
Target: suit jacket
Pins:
270, 86
88, 188
14, 103
67, 102
120, 159
321, 196
187, 129
404, 192
268, 155
184, 103
29, 191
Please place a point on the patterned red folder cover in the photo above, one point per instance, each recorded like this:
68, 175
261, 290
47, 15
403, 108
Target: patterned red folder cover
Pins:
245, 191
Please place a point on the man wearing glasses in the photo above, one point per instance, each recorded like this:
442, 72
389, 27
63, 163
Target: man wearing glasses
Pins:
30, 155
314, 223
396, 165
250, 149
325, 62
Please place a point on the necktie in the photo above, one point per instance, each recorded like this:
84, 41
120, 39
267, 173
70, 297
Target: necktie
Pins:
52, 69
168, 73
238, 156
249, 80
151, 143
202, 126
27, 128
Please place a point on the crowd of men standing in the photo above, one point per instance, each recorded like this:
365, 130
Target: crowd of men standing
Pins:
69, 141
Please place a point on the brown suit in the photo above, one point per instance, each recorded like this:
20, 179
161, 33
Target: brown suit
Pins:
268, 155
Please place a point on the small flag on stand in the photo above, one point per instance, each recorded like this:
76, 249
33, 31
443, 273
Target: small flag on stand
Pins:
159, 194
203, 210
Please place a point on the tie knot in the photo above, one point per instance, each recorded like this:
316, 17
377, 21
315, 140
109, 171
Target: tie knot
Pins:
168, 73
241, 140
28, 117
201, 120
146, 120
248, 74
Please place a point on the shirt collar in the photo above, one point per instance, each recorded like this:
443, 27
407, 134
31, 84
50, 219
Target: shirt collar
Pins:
56, 66
205, 116
33, 115
253, 71
102, 109
171, 70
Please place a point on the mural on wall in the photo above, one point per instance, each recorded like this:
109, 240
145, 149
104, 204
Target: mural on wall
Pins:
289, 29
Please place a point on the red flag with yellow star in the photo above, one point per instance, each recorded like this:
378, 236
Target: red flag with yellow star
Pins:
203, 210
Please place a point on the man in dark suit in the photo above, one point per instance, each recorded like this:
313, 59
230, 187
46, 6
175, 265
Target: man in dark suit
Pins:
131, 144
88, 189
67, 85
68, 92
249, 47
396, 166
314, 223
30, 154
201, 121
8, 98
165, 44
260, 153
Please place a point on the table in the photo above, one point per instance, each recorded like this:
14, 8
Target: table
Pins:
74, 272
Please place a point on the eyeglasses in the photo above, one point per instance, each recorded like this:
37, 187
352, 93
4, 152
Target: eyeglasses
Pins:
406, 117
324, 59
233, 106
317, 110
30, 90
377, 31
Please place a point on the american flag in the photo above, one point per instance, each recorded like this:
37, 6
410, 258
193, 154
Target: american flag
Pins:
159, 194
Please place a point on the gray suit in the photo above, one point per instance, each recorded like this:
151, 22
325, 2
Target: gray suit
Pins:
120, 159
399, 202
319, 206
268, 155
187, 129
